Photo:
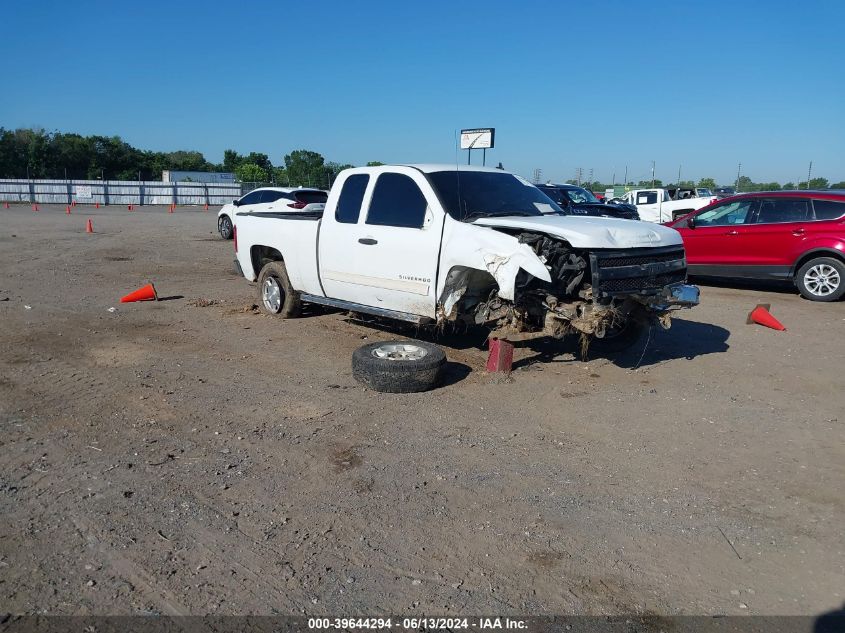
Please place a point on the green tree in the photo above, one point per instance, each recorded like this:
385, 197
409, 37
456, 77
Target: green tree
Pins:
250, 172
262, 160
231, 160
374, 163
305, 168
838, 185
789, 186
709, 183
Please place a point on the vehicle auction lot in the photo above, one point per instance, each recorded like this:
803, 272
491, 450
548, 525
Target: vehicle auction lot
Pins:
192, 456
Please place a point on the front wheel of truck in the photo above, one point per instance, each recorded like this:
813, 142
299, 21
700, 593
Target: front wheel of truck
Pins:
619, 338
276, 296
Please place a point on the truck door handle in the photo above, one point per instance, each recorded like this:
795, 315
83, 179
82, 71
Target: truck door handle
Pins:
732, 233
798, 232
368, 241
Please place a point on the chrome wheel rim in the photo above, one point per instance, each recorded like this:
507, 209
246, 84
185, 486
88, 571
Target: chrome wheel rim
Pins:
271, 294
822, 280
225, 226
399, 351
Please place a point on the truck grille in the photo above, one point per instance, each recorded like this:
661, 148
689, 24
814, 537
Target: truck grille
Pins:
637, 271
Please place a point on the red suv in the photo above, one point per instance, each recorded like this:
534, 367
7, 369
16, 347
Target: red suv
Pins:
797, 235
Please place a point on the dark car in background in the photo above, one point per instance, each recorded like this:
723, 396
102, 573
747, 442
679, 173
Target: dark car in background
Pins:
788, 235
578, 201
724, 192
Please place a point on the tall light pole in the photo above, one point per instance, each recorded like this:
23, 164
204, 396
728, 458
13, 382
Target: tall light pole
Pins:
809, 172
652, 173
738, 169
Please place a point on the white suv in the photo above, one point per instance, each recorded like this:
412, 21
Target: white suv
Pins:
275, 200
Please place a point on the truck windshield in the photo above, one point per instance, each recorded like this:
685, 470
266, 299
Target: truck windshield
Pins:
467, 195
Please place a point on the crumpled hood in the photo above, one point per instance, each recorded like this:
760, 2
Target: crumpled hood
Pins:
592, 232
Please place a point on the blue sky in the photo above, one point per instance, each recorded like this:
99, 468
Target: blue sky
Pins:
602, 85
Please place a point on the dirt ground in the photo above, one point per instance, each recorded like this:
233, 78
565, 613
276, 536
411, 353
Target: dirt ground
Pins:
190, 456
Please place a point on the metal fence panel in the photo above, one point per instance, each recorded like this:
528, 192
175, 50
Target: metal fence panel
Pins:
119, 192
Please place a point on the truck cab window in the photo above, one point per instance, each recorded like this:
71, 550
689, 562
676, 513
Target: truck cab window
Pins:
397, 201
351, 196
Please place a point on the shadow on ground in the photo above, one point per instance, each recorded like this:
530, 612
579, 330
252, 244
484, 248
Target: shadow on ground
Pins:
686, 339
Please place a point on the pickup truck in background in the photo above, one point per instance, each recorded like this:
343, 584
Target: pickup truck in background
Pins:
657, 205
441, 244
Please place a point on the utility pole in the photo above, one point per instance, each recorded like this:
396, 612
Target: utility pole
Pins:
679, 176
590, 180
738, 170
626, 176
652, 173
578, 173
809, 172
538, 175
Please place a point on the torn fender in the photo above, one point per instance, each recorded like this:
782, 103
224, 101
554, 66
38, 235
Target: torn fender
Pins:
482, 248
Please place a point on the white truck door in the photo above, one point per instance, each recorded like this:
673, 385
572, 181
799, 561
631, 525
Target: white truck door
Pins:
381, 247
648, 204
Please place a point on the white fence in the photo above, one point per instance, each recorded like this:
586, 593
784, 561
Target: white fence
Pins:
117, 192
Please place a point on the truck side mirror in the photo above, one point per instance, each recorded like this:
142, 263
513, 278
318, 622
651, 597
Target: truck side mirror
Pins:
237, 203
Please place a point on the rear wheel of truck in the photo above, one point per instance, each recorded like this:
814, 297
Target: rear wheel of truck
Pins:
275, 294
399, 366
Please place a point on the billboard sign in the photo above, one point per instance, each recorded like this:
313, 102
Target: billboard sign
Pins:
479, 138
83, 192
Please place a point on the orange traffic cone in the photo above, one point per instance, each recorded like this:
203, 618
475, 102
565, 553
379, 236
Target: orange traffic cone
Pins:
89, 226
129, 207
147, 293
170, 210
67, 209
762, 316
6, 204
206, 207
73, 203
35, 207
96, 205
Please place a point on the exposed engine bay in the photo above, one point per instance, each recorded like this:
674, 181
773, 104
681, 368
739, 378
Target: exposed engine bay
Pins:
597, 294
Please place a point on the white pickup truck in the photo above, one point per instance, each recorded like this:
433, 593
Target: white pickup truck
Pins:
442, 244
657, 205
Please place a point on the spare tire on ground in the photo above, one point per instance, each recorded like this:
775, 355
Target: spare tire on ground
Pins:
399, 366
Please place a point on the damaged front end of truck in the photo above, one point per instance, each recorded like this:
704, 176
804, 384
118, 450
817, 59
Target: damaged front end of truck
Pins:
542, 286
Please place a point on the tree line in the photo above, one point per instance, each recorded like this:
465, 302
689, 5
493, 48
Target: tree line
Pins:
35, 153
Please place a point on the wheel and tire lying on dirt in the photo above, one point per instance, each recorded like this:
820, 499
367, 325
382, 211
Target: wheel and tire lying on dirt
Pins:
224, 227
276, 295
399, 366
821, 279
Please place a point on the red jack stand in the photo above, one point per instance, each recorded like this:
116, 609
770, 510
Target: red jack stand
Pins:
500, 358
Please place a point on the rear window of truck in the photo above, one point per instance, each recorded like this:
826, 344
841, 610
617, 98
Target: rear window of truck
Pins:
351, 196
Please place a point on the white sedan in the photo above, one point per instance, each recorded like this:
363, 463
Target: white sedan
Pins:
271, 200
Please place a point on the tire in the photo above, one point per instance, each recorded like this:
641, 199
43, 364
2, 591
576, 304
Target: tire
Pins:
399, 366
618, 341
821, 279
276, 296
224, 227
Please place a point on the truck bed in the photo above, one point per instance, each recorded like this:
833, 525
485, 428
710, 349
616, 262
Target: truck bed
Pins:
294, 234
